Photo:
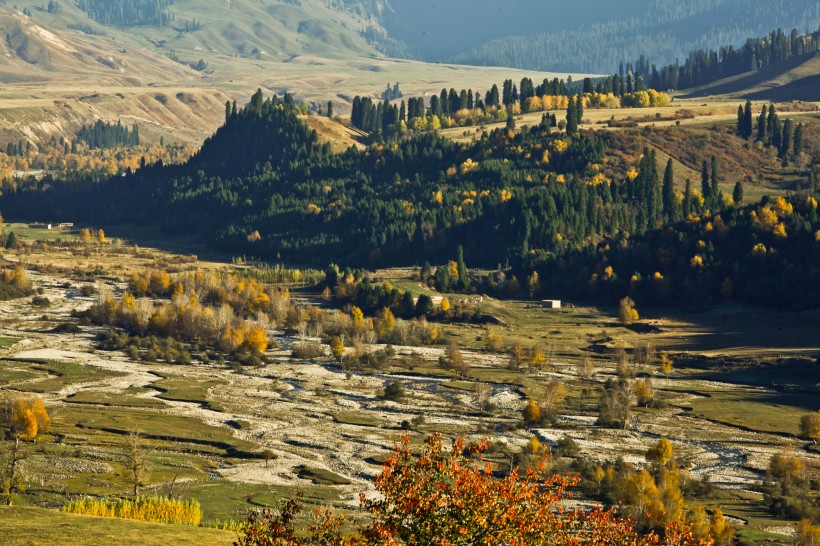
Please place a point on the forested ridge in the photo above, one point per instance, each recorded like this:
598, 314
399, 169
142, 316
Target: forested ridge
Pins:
662, 31
572, 208
128, 13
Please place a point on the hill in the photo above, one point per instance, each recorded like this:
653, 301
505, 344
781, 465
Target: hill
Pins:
586, 35
797, 78
265, 185
132, 70
34, 52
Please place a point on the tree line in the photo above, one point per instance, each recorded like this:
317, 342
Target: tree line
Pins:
128, 13
108, 135
518, 202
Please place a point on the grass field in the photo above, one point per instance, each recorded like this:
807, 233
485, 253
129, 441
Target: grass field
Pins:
28, 526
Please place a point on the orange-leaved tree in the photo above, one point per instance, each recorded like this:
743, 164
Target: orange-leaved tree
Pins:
448, 495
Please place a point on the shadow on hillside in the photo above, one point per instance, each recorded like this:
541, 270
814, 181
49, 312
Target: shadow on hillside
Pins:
807, 86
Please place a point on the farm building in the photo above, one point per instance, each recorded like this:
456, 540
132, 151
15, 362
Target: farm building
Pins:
552, 304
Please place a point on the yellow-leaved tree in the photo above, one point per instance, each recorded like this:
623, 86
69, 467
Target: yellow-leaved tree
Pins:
22, 419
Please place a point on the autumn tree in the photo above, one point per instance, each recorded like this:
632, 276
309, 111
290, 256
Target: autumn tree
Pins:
553, 399
585, 367
644, 391
493, 340
454, 360
337, 348
135, 461
448, 494
531, 413
810, 426
534, 284
665, 364
614, 405
257, 339
22, 419
807, 533
627, 313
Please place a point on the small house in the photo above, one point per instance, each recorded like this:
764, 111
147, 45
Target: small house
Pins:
552, 304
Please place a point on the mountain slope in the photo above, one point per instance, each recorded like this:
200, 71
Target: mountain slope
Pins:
795, 79
34, 52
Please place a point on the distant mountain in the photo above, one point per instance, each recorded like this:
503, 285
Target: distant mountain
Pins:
584, 35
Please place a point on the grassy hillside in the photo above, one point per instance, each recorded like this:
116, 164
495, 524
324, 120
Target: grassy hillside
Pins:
27, 526
795, 79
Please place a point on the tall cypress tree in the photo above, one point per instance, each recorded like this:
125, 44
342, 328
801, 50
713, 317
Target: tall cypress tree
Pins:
572, 117
741, 120
798, 139
771, 121
579, 109
705, 188
463, 274
670, 204
737, 194
786, 139
715, 193
687, 199
761, 125
747, 120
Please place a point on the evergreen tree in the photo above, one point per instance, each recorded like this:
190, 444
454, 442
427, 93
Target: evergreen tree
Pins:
705, 188
579, 109
670, 203
227, 111
786, 139
715, 192
771, 122
761, 125
463, 274
737, 193
747, 121
330, 108
687, 199
572, 117
741, 120
798, 139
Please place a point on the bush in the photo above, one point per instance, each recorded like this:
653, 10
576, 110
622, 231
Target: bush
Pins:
153, 509
393, 391
308, 350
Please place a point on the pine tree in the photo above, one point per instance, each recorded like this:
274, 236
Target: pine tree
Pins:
786, 138
670, 204
330, 108
747, 121
737, 193
705, 188
715, 191
579, 110
687, 199
572, 117
741, 120
771, 123
761, 125
798, 139
463, 274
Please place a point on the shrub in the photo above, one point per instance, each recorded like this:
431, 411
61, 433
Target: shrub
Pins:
153, 509
394, 391
308, 350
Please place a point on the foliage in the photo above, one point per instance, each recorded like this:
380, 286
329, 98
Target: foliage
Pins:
108, 135
14, 284
449, 495
22, 418
146, 508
